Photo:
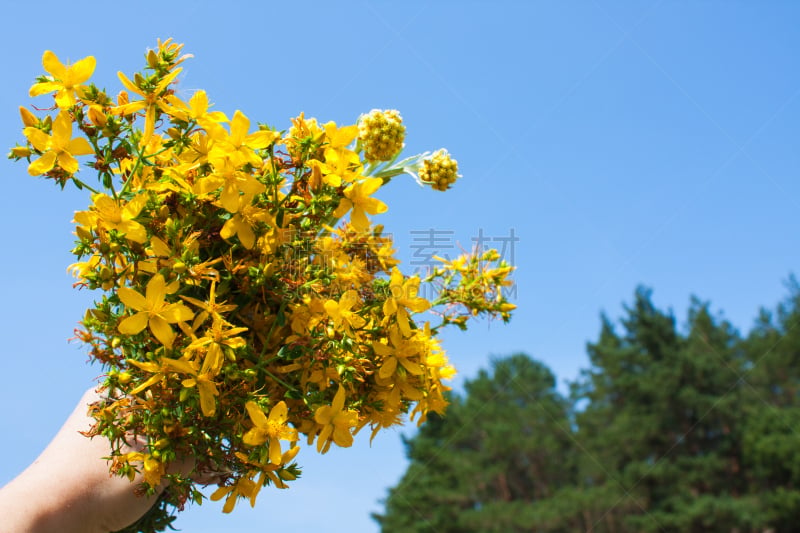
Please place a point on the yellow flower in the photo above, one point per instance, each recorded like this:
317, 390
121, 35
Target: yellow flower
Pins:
196, 153
272, 429
403, 297
152, 100
233, 181
433, 400
111, 215
204, 382
239, 144
196, 111
242, 222
65, 80
343, 317
306, 315
339, 138
152, 468
160, 254
304, 135
207, 390
399, 387
59, 147
336, 423
357, 197
244, 487
340, 162
83, 269
383, 418
338, 167
154, 311
211, 307
268, 470
215, 340
398, 351
159, 371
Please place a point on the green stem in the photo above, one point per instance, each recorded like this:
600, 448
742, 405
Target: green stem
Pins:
387, 174
140, 159
272, 329
279, 380
83, 185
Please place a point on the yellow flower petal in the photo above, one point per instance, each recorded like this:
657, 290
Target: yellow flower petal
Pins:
254, 437
51, 64
358, 219
65, 98
67, 162
39, 139
324, 435
279, 413
133, 231
131, 298
388, 368
162, 330
80, 146
274, 451
151, 381
373, 206
256, 414
129, 84
133, 324
246, 235
135, 206
44, 87
178, 365
156, 290
338, 400
412, 368
62, 131
370, 185
228, 229
176, 312
219, 493
82, 70
42, 165
261, 139
208, 392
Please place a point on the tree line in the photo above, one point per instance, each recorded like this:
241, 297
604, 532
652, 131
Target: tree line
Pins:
670, 429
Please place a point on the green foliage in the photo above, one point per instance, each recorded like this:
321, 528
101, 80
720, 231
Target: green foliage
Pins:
670, 429
506, 442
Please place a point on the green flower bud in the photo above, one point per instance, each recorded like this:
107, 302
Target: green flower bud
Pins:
382, 134
440, 170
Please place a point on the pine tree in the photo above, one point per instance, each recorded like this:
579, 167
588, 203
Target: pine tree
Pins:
771, 440
502, 447
663, 422
670, 429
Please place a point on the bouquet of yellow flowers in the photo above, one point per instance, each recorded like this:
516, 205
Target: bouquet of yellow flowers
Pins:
248, 301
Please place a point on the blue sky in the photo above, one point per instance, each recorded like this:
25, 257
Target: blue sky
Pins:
623, 143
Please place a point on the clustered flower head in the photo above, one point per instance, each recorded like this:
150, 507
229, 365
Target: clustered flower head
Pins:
440, 170
381, 133
248, 301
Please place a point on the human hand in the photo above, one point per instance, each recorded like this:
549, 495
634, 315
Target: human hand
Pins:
68, 488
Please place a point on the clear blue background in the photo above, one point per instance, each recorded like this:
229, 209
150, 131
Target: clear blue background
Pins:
651, 142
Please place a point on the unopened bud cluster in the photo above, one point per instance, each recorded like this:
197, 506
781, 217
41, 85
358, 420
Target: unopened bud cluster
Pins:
440, 170
382, 134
